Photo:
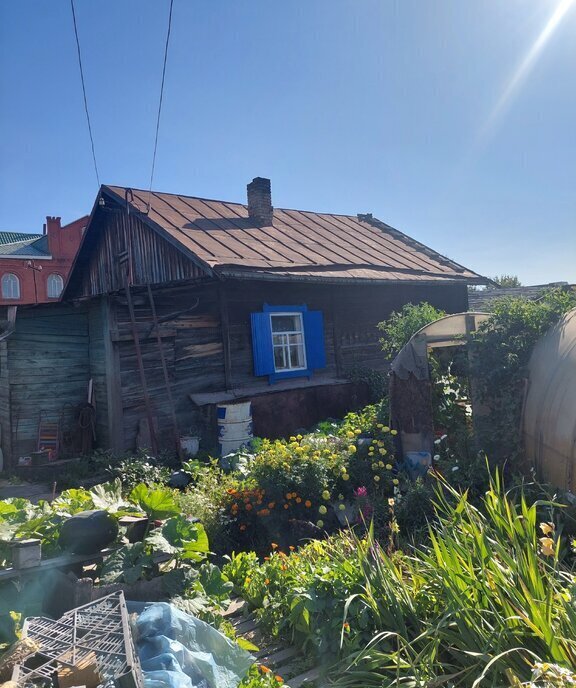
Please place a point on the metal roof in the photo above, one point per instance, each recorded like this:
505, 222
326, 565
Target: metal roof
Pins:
13, 237
35, 245
484, 299
298, 244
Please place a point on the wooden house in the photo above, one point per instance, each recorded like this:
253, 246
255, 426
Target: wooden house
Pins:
176, 304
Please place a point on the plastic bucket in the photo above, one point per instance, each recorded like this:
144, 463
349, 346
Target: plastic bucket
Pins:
234, 426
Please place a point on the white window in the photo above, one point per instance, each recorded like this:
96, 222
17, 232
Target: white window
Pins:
288, 341
54, 285
10, 286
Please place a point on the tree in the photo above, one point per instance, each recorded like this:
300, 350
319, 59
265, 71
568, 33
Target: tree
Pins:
507, 281
401, 325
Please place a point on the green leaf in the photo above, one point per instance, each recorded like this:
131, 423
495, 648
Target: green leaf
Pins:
214, 583
156, 503
244, 644
108, 496
127, 565
183, 537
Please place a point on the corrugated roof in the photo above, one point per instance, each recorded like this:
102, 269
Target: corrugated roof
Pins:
35, 247
478, 300
298, 244
13, 237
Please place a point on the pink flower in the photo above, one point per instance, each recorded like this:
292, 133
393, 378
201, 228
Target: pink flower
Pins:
361, 492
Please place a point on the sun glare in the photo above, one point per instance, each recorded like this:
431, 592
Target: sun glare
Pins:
524, 67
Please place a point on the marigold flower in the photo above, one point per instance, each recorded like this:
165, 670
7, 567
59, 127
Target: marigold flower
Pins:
247, 580
248, 507
346, 626
265, 669
291, 548
243, 527
307, 503
267, 581
298, 500
271, 505
288, 495
279, 678
286, 506
273, 545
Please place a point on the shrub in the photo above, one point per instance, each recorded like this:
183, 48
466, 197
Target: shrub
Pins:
401, 325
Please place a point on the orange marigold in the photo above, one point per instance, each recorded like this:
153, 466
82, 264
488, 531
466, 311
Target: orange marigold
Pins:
265, 669
307, 503
248, 507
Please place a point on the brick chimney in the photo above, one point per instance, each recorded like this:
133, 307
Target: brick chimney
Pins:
53, 230
260, 202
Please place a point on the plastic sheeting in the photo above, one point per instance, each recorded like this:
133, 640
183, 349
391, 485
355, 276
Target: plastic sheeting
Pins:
549, 421
177, 650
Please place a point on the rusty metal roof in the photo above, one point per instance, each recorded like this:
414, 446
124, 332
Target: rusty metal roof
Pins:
298, 245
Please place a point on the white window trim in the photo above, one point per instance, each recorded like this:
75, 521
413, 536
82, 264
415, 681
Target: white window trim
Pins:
60, 284
16, 280
298, 314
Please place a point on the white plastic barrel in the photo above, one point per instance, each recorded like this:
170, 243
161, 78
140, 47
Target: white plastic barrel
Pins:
234, 426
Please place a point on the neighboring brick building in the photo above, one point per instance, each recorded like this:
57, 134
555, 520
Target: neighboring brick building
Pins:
34, 267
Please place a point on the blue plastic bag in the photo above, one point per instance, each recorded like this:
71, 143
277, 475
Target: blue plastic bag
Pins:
177, 650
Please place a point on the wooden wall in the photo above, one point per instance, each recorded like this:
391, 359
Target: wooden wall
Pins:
204, 356
44, 369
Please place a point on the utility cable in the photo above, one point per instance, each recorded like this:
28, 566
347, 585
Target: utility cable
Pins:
84, 91
160, 102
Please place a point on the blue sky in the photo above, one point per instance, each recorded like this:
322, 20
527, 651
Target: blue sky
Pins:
382, 106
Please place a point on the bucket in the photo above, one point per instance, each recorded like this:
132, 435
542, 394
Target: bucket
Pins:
234, 426
190, 444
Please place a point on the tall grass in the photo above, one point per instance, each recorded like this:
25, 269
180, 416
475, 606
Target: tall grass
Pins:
478, 606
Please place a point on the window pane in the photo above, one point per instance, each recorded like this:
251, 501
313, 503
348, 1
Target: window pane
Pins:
279, 358
295, 338
54, 285
286, 323
296, 356
278, 339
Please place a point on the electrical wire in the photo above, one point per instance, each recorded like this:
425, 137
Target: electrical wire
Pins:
160, 102
84, 91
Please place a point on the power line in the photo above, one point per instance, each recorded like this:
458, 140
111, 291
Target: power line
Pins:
84, 92
160, 102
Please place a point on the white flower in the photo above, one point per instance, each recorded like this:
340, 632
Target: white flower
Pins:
436, 457
454, 468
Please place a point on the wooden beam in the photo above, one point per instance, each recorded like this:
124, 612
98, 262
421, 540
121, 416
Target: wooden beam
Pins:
336, 335
225, 329
113, 384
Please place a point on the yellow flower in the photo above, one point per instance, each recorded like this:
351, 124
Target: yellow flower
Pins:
342, 507
320, 523
395, 481
381, 464
377, 478
386, 429
379, 426
352, 449
326, 495
388, 466
322, 509
357, 431
382, 451
547, 528
547, 546
391, 501
298, 437
345, 476
374, 466
350, 434
393, 432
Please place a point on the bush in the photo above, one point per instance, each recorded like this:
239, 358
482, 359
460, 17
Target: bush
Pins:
402, 324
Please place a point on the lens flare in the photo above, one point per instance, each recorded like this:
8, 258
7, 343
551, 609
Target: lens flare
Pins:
524, 68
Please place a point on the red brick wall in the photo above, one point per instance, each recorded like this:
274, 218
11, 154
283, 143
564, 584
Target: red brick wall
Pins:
63, 244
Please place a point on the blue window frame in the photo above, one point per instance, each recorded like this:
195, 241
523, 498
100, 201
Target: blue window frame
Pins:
287, 341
